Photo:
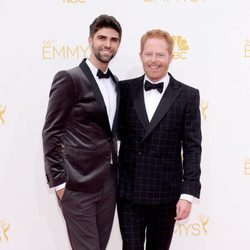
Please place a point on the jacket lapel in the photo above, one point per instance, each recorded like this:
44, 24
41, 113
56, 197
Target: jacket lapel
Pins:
138, 101
168, 98
115, 123
98, 95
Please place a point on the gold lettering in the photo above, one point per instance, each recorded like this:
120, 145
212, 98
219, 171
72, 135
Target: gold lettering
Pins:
196, 228
247, 50
85, 51
69, 52
193, 229
186, 228
183, 55
5, 227
180, 55
61, 51
176, 55
204, 107
46, 52
46, 49
204, 221
177, 228
247, 166
78, 52
74, 1
2, 111
50, 51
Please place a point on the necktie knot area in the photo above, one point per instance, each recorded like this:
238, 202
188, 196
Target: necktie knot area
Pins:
101, 75
148, 86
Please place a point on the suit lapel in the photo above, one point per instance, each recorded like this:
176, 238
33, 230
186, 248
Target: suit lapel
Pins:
138, 101
166, 102
115, 123
98, 95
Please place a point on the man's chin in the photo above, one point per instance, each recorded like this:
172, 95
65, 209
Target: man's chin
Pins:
106, 59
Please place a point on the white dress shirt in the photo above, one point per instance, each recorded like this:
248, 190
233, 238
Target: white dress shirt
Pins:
107, 88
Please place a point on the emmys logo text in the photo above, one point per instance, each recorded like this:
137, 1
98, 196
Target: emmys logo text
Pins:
2, 111
4, 227
247, 166
247, 48
196, 228
180, 48
51, 51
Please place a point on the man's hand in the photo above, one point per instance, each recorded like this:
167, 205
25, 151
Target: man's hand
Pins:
60, 193
183, 209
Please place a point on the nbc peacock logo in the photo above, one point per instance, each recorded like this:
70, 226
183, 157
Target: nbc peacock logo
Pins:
4, 228
180, 47
2, 112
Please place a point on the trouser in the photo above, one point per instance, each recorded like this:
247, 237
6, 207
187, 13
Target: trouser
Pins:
89, 216
140, 221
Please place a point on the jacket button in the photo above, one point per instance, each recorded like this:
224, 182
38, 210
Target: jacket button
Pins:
140, 153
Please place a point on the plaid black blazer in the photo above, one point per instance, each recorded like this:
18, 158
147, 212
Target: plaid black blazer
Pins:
160, 159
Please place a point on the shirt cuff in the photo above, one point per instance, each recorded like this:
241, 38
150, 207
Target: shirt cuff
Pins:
187, 197
61, 186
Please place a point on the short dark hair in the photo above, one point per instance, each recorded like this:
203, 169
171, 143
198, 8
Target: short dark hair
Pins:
105, 21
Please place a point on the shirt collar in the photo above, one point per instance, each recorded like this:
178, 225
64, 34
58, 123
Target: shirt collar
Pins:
92, 67
165, 79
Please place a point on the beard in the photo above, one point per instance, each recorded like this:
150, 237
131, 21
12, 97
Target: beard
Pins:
103, 58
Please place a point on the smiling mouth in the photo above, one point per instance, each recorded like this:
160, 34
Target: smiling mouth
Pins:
154, 67
106, 51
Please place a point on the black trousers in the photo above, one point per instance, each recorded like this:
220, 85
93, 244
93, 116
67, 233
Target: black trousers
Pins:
138, 222
89, 216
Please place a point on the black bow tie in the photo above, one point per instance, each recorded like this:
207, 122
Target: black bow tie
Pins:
148, 86
100, 74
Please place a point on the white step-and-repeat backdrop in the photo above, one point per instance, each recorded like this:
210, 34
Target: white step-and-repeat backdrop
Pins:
212, 53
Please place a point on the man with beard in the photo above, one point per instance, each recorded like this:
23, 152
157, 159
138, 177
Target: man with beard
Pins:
79, 139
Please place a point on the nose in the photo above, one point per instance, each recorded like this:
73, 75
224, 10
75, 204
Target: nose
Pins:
153, 57
108, 43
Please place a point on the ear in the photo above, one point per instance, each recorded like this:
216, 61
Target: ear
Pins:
140, 55
90, 41
171, 58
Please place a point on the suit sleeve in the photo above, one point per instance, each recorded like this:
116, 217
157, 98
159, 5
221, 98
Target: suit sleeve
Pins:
61, 103
192, 146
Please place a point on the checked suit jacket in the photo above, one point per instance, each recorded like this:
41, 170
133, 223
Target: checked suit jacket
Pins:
160, 159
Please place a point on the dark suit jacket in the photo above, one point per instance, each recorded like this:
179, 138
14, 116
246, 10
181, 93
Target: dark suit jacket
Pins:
77, 138
151, 167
